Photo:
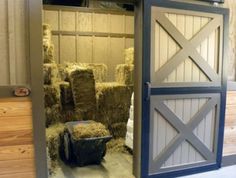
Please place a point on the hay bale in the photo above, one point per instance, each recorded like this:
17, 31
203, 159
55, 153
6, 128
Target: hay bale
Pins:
53, 114
47, 35
66, 68
48, 53
99, 70
50, 73
83, 90
47, 32
66, 95
113, 101
69, 114
53, 140
89, 130
51, 95
118, 130
62, 72
124, 74
129, 56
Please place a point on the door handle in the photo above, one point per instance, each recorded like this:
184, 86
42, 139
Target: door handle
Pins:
148, 89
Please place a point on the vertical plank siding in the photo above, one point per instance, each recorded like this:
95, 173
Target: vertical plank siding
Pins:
16, 139
230, 124
14, 45
85, 35
231, 4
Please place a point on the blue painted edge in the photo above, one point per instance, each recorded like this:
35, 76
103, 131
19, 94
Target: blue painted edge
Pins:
145, 78
224, 89
180, 90
185, 90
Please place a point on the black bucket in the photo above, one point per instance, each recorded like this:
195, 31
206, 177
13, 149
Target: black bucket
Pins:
82, 152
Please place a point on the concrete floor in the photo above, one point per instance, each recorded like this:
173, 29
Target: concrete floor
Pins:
119, 165
114, 165
225, 172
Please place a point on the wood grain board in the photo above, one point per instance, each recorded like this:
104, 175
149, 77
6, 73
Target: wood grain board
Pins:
16, 138
19, 175
230, 124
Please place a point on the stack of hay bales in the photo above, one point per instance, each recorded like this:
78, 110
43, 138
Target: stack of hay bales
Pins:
113, 101
78, 90
52, 100
125, 72
51, 80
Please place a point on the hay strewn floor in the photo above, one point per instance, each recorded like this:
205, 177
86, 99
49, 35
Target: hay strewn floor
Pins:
115, 165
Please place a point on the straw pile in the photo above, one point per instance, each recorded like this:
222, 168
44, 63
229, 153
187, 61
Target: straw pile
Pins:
83, 90
124, 74
89, 130
129, 56
117, 145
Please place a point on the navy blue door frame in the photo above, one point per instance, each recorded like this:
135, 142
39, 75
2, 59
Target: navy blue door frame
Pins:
146, 43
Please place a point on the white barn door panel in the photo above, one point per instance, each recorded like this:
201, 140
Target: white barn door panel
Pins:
184, 88
187, 48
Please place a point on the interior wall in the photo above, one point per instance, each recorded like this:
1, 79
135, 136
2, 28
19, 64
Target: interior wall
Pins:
231, 4
230, 124
13, 43
230, 116
16, 139
90, 35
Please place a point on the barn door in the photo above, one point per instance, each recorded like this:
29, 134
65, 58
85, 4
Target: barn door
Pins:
184, 88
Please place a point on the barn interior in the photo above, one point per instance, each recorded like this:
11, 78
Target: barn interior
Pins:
88, 54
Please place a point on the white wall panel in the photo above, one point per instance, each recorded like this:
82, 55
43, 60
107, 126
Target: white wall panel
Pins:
14, 68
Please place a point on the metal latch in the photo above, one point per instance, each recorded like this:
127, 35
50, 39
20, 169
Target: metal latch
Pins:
148, 89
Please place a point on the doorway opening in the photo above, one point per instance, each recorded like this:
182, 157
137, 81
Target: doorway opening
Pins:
89, 88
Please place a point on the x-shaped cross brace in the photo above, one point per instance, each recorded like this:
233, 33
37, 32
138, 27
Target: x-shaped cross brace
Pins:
185, 132
188, 47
